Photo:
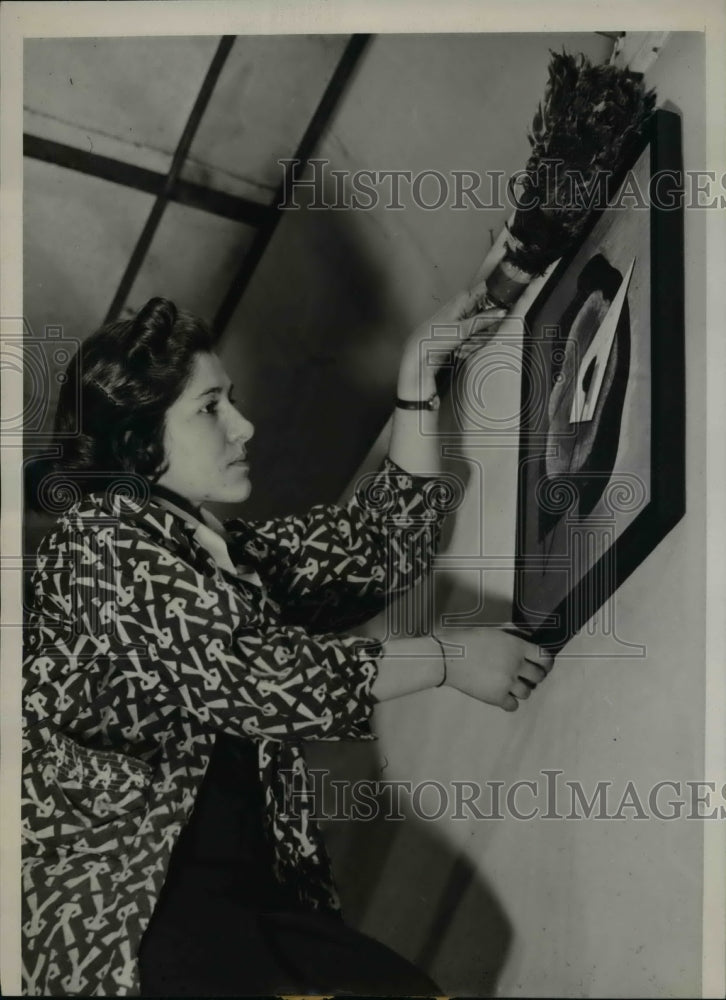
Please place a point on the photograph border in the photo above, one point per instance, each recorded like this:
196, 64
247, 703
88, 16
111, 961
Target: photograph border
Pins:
30, 18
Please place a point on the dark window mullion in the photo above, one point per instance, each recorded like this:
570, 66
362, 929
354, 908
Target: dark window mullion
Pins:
317, 125
155, 216
206, 199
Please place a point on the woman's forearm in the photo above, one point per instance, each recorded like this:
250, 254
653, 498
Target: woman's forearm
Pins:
488, 664
408, 665
414, 441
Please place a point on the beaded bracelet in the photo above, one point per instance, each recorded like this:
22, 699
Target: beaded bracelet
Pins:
443, 654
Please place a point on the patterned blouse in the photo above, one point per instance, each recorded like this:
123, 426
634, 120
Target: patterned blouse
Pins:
140, 647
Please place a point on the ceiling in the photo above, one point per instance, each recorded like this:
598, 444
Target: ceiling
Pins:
151, 168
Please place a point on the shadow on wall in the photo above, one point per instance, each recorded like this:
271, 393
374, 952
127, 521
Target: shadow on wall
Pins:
313, 350
403, 883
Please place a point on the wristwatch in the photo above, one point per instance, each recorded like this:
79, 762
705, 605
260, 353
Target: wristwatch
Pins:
432, 403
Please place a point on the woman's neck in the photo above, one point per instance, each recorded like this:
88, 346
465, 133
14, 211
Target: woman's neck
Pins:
178, 500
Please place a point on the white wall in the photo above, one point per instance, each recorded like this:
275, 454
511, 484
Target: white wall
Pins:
542, 908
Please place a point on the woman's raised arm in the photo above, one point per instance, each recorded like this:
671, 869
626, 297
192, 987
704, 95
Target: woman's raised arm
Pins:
414, 442
339, 564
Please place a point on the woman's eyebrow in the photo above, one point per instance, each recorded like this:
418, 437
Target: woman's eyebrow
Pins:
215, 389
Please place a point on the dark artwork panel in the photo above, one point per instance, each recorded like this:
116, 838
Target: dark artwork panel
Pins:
602, 464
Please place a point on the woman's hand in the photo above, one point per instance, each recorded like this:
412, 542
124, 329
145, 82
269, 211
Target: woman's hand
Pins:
493, 666
458, 327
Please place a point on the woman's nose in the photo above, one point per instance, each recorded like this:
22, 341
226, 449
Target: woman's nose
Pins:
239, 428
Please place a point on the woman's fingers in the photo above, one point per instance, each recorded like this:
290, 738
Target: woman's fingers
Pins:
510, 703
476, 296
469, 302
532, 672
520, 689
539, 656
484, 320
474, 330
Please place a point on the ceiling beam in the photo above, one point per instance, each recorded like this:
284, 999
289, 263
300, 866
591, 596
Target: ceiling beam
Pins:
164, 197
206, 199
317, 125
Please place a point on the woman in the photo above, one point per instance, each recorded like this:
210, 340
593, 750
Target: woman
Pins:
175, 665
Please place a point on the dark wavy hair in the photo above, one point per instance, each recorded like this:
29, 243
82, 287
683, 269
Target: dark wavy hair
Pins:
130, 372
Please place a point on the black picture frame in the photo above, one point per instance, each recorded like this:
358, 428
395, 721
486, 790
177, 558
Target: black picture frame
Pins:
558, 588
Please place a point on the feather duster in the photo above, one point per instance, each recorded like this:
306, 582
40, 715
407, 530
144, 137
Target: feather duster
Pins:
584, 129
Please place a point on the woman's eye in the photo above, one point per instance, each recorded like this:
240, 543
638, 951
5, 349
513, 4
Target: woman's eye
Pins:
213, 405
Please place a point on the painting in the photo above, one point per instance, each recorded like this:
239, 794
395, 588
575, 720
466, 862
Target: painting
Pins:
601, 473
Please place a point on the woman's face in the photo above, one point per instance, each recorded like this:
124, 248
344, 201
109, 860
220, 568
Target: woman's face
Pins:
205, 437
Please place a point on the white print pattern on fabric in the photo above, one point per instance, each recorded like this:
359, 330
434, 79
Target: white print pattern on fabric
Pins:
140, 648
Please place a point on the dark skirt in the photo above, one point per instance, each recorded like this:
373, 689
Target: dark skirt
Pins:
223, 926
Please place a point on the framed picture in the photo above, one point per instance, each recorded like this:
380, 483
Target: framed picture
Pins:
601, 475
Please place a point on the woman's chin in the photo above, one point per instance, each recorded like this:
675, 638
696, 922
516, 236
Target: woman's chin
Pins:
234, 492
234, 487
